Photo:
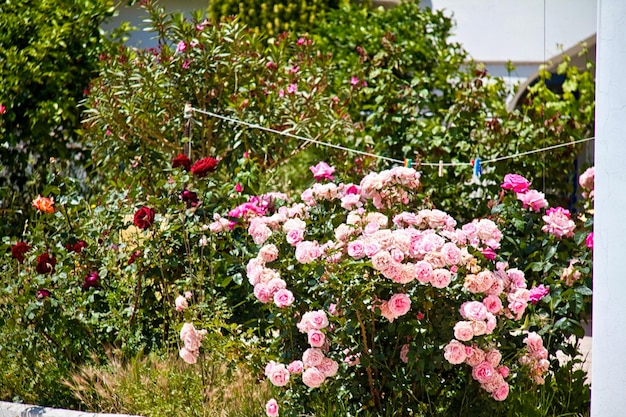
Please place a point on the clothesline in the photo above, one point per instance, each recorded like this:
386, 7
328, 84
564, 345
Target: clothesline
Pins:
189, 109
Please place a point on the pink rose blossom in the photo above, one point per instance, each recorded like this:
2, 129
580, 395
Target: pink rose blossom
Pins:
312, 357
295, 367
271, 408
328, 367
181, 303
356, 249
504, 371
483, 372
313, 378
279, 375
318, 319
533, 199
322, 171
295, 236
558, 222
192, 339
404, 353
501, 392
399, 304
423, 272
268, 253
188, 356
473, 310
463, 331
441, 278
493, 357
515, 182
262, 292
307, 252
475, 355
188, 295
316, 338
586, 179
489, 253
493, 304
283, 298
537, 293
589, 240
455, 352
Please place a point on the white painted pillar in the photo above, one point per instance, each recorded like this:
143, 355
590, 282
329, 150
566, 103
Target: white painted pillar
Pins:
608, 383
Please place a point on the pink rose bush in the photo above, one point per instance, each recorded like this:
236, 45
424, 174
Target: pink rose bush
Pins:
352, 271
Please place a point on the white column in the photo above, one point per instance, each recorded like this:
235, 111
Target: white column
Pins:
608, 383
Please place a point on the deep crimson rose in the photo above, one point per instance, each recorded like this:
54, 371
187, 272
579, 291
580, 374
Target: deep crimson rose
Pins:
18, 250
134, 256
190, 198
92, 280
181, 161
45, 263
42, 293
76, 247
144, 217
202, 167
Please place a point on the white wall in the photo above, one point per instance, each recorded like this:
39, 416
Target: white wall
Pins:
522, 31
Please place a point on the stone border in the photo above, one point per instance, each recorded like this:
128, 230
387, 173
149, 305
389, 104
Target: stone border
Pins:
25, 410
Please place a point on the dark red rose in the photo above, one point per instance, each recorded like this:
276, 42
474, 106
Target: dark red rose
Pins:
181, 161
45, 263
134, 256
42, 293
144, 217
190, 198
76, 247
18, 250
203, 167
92, 280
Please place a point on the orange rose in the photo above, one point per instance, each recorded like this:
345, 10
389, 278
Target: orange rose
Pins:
44, 204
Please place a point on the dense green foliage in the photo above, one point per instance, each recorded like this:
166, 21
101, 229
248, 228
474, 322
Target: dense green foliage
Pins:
49, 50
274, 16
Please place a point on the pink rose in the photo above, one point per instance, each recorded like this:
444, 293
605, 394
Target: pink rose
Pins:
483, 372
262, 292
271, 408
404, 353
188, 356
493, 304
501, 392
537, 293
356, 249
307, 252
533, 199
192, 339
295, 367
473, 310
283, 298
312, 357
451, 254
279, 375
423, 272
318, 319
268, 253
463, 331
558, 222
586, 179
589, 240
399, 304
493, 357
181, 303
455, 352
489, 253
503, 370
441, 278
322, 171
313, 378
316, 338
328, 367
295, 236
475, 355
515, 182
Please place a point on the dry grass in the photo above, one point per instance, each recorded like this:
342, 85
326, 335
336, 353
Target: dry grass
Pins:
153, 386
